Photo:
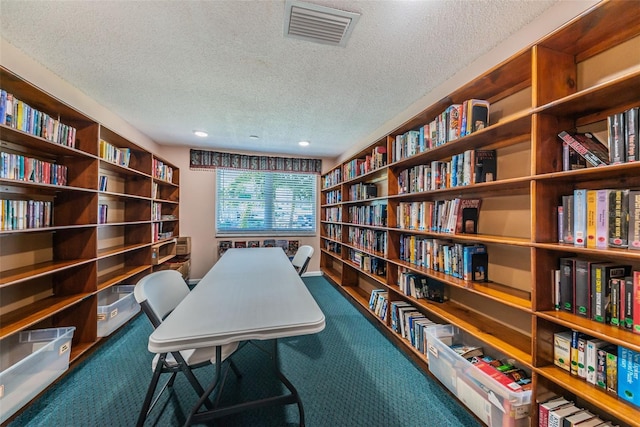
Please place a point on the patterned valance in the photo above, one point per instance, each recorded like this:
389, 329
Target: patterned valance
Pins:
207, 160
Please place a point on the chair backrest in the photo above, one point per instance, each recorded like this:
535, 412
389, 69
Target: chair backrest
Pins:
302, 257
159, 293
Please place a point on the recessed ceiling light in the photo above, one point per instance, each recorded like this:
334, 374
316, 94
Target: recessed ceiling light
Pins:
254, 137
303, 143
200, 133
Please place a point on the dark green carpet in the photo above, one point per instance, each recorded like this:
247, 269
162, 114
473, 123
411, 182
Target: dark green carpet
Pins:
347, 375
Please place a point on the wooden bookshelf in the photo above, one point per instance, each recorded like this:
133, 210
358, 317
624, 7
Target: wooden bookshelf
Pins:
572, 79
50, 276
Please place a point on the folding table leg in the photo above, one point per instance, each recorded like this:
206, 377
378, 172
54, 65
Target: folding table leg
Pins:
152, 388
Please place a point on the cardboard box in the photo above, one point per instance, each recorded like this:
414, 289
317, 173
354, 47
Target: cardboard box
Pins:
183, 267
183, 246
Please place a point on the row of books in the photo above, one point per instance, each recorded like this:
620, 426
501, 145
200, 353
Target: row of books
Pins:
333, 214
411, 324
419, 286
19, 115
290, 247
334, 247
363, 191
457, 216
156, 211
159, 233
463, 261
334, 231
470, 167
605, 292
113, 154
368, 263
361, 166
102, 182
611, 367
334, 196
584, 149
23, 168
368, 215
162, 171
332, 178
556, 411
368, 239
454, 122
607, 218
155, 188
25, 214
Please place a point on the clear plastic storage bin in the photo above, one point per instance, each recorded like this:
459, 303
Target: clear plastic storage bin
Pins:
30, 361
493, 402
116, 305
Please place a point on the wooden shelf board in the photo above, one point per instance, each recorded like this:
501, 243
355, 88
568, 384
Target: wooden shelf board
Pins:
365, 250
32, 142
498, 292
45, 229
43, 188
506, 187
107, 252
107, 165
608, 333
165, 182
376, 175
495, 334
596, 99
592, 394
358, 294
379, 279
618, 253
112, 278
80, 349
481, 238
333, 255
331, 240
22, 318
123, 196
333, 275
592, 173
11, 277
172, 202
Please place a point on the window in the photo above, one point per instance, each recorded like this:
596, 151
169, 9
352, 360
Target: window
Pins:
269, 203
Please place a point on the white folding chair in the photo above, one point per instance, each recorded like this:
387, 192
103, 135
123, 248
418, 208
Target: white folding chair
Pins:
158, 294
302, 257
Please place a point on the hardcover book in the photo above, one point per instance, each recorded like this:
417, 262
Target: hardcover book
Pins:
588, 146
602, 219
477, 115
591, 218
485, 166
628, 306
571, 160
562, 350
467, 216
591, 357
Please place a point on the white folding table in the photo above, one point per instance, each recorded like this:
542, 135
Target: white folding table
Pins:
249, 294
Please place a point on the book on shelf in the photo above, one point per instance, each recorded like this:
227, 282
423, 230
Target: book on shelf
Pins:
591, 358
619, 218
602, 219
485, 166
628, 378
467, 216
577, 419
632, 133
617, 148
477, 115
601, 275
568, 235
567, 283
616, 286
633, 235
550, 405
562, 350
591, 218
582, 287
588, 146
636, 302
627, 304
102, 185
571, 160
580, 217
557, 416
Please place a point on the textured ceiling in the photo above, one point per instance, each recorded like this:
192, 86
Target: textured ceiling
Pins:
169, 67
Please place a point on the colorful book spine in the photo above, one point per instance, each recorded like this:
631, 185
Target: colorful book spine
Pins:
580, 216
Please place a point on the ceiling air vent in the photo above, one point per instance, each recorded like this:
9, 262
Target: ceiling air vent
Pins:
318, 23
